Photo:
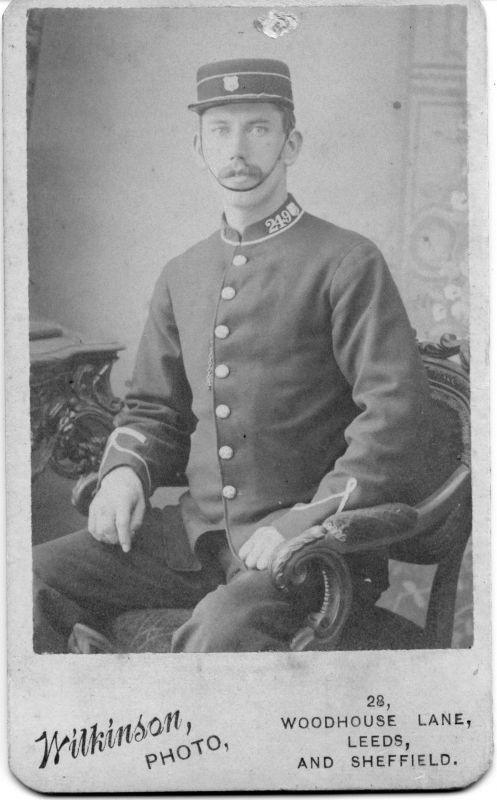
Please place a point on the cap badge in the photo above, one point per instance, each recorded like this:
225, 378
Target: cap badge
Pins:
231, 83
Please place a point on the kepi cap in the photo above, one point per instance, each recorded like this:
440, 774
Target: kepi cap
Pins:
243, 80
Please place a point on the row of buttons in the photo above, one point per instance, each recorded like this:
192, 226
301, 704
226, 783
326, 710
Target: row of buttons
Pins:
222, 371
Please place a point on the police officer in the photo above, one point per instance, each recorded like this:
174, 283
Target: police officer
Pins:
278, 368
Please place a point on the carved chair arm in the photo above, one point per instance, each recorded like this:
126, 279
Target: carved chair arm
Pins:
397, 527
294, 566
321, 549
441, 524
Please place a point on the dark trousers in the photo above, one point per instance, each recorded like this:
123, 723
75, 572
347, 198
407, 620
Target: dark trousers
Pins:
77, 579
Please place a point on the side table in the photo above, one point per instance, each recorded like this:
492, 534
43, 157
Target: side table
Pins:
72, 403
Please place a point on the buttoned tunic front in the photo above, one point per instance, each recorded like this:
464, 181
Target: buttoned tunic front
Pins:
274, 369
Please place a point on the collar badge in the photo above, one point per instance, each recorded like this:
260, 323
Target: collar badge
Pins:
231, 83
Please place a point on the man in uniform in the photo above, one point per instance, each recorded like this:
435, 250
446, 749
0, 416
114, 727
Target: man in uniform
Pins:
278, 368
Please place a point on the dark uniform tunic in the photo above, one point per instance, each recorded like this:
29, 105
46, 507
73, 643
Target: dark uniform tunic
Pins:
275, 367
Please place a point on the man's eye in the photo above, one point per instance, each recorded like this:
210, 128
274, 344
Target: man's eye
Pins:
220, 130
259, 130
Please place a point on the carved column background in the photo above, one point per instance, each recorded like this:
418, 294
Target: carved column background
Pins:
435, 235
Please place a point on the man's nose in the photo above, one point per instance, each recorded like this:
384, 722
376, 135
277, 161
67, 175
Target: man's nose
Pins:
238, 146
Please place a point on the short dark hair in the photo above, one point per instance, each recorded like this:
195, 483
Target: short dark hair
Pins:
288, 119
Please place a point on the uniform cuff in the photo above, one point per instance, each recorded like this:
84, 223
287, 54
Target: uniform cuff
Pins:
119, 453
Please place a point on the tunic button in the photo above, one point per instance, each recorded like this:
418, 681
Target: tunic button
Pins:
222, 371
228, 293
229, 492
221, 332
223, 412
226, 452
239, 260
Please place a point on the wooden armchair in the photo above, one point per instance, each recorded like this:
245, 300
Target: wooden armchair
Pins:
434, 532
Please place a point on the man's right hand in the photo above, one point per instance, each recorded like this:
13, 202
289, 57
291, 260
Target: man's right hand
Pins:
117, 509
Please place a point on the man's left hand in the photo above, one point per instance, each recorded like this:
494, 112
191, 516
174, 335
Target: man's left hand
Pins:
257, 551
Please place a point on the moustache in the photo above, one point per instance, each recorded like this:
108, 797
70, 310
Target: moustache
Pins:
247, 171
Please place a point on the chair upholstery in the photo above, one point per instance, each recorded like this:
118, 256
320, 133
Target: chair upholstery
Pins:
434, 532
146, 631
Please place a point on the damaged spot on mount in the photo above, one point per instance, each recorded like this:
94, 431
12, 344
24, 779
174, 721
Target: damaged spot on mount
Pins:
276, 23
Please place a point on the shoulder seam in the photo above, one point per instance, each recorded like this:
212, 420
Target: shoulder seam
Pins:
362, 243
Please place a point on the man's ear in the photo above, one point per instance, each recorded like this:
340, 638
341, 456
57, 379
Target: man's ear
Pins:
292, 147
197, 149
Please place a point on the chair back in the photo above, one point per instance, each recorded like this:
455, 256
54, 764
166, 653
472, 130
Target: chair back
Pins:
445, 517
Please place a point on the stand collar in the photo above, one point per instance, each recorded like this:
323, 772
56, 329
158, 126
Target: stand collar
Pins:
283, 218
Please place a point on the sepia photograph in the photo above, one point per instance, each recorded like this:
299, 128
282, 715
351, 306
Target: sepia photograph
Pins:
295, 373
252, 272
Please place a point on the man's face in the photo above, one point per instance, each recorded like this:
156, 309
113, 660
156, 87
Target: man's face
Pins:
241, 143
